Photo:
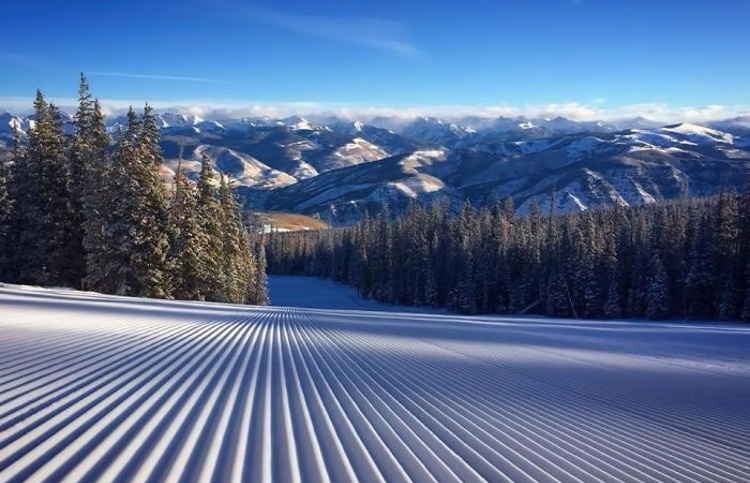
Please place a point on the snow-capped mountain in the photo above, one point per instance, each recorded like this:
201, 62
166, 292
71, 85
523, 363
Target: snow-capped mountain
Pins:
437, 131
8, 122
336, 168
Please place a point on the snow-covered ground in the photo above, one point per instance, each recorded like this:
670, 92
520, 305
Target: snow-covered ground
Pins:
99, 388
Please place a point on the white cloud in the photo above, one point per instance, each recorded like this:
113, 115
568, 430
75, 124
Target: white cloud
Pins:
225, 109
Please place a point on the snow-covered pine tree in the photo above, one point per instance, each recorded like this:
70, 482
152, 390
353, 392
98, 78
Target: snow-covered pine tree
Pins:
259, 270
88, 166
608, 262
236, 258
210, 223
78, 160
97, 198
189, 242
139, 221
6, 212
44, 213
151, 137
243, 260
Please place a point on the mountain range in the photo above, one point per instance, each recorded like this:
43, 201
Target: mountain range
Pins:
336, 168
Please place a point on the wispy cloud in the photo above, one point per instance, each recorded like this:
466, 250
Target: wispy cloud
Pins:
386, 35
156, 77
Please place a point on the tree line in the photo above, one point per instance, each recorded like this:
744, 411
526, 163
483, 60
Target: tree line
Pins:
85, 211
688, 258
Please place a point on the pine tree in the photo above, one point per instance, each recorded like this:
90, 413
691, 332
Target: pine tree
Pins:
151, 137
24, 254
97, 199
139, 222
728, 246
236, 263
189, 242
657, 302
88, 166
210, 223
700, 283
44, 211
260, 282
6, 212
609, 262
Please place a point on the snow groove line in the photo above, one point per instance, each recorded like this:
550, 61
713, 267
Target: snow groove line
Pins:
169, 434
239, 467
99, 440
189, 461
129, 452
378, 443
685, 424
438, 420
542, 412
468, 412
91, 372
473, 405
220, 453
59, 398
73, 423
312, 466
358, 444
603, 425
643, 433
327, 438
417, 397
397, 419
283, 394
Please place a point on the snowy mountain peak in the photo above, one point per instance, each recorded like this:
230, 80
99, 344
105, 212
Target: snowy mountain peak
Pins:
169, 119
698, 134
298, 123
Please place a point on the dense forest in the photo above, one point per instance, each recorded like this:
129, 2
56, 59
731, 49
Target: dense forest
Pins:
688, 258
86, 211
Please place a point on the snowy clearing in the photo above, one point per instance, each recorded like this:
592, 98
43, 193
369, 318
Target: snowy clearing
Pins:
103, 388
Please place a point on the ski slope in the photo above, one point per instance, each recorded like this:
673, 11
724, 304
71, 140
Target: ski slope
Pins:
100, 388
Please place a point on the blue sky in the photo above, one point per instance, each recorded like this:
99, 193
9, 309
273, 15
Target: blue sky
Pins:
581, 58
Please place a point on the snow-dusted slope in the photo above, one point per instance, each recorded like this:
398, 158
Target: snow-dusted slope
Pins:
96, 388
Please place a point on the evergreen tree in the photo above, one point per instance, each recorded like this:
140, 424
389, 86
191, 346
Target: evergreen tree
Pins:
728, 246
260, 282
657, 303
97, 198
189, 242
210, 223
140, 219
150, 138
44, 213
700, 283
237, 261
603, 263
71, 213
6, 211
88, 167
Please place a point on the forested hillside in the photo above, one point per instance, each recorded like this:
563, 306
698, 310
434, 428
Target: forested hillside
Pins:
685, 258
86, 211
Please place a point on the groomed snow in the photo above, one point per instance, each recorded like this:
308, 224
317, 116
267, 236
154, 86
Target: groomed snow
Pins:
99, 388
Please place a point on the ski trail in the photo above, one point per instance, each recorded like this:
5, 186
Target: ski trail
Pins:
100, 388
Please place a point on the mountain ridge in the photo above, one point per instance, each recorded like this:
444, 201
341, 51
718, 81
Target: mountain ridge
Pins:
336, 168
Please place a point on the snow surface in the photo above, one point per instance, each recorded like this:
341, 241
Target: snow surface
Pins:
100, 388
